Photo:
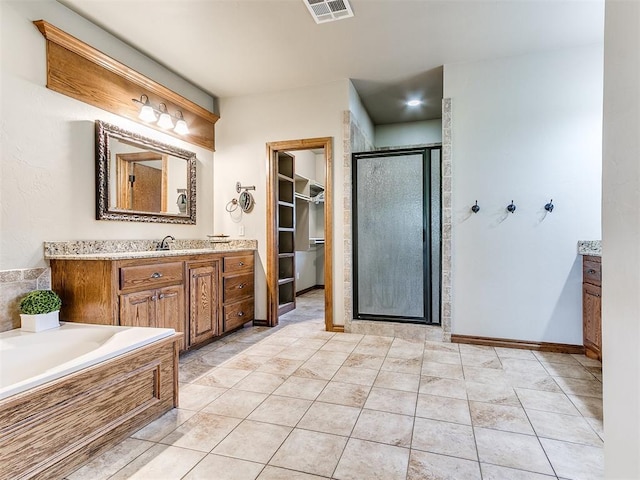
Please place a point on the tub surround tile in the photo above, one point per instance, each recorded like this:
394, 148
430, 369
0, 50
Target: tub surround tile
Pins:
14, 284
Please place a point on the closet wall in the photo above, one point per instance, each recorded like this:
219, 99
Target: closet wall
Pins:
309, 256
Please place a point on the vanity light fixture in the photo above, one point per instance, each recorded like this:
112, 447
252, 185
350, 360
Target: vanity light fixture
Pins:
165, 119
150, 114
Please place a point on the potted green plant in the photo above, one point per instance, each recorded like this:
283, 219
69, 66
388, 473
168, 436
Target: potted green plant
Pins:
39, 310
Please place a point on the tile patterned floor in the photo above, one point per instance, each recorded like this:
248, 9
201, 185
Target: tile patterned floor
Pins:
298, 403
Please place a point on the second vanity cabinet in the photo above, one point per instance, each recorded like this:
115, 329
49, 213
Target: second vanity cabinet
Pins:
592, 306
203, 296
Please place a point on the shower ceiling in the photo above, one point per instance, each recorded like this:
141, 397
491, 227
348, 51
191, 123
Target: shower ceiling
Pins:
391, 49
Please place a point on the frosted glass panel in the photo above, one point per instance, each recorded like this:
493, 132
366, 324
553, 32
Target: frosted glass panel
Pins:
390, 241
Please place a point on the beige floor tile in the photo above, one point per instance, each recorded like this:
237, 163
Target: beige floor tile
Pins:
384, 427
376, 350
330, 418
483, 392
586, 361
431, 466
253, 441
336, 346
567, 428
588, 406
406, 382
532, 381
401, 348
393, 401
281, 340
193, 370
232, 347
297, 352
363, 360
281, 410
509, 418
492, 376
480, 361
224, 468
359, 376
444, 437
525, 366
511, 450
163, 426
369, 460
344, 394
280, 366
214, 358
223, 377
576, 386
597, 425
568, 370
235, 403
201, 432
277, 473
520, 353
403, 365
334, 358
160, 462
546, 401
310, 452
195, 397
443, 370
102, 467
311, 343
317, 369
575, 462
555, 357
440, 356
495, 472
245, 362
442, 346
300, 387
444, 387
267, 350
477, 349
443, 408
260, 382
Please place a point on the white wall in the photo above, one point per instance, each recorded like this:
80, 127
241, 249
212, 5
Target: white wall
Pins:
621, 241
246, 125
527, 129
409, 133
47, 154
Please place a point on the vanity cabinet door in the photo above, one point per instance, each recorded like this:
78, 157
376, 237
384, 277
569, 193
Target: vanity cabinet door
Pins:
170, 311
138, 309
592, 323
204, 301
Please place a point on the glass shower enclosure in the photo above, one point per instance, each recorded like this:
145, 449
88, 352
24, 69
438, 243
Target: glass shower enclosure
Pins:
396, 235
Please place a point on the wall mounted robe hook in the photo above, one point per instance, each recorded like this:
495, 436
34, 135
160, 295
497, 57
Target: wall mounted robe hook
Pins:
511, 207
549, 206
475, 208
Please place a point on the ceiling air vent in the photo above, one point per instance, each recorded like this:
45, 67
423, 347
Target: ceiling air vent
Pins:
328, 10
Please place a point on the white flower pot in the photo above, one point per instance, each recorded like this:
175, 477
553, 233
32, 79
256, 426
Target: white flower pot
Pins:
38, 323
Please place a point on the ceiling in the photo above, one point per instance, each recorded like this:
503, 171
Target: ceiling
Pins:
392, 50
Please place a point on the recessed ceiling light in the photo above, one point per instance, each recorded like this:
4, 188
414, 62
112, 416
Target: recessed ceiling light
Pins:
414, 103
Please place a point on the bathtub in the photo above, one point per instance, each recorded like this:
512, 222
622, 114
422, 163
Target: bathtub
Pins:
28, 360
70, 393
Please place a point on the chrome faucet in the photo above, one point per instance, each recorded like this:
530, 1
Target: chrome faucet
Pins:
164, 244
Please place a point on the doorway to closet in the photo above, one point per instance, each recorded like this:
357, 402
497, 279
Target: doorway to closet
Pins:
299, 226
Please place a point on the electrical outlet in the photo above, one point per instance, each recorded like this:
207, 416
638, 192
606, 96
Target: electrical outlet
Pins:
241, 231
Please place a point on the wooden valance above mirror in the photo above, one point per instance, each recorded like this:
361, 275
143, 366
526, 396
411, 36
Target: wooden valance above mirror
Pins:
80, 71
142, 180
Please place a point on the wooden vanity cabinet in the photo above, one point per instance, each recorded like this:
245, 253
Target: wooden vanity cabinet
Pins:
592, 306
203, 296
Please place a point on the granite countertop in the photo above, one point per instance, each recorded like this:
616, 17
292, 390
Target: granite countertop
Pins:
590, 247
131, 249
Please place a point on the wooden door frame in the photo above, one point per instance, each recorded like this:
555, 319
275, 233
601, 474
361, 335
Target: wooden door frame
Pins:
273, 148
124, 164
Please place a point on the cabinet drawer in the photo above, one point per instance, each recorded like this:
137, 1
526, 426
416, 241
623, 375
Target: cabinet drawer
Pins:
237, 314
591, 272
237, 287
148, 276
238, 263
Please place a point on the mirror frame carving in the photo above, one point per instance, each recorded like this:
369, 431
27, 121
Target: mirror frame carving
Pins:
103, 212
